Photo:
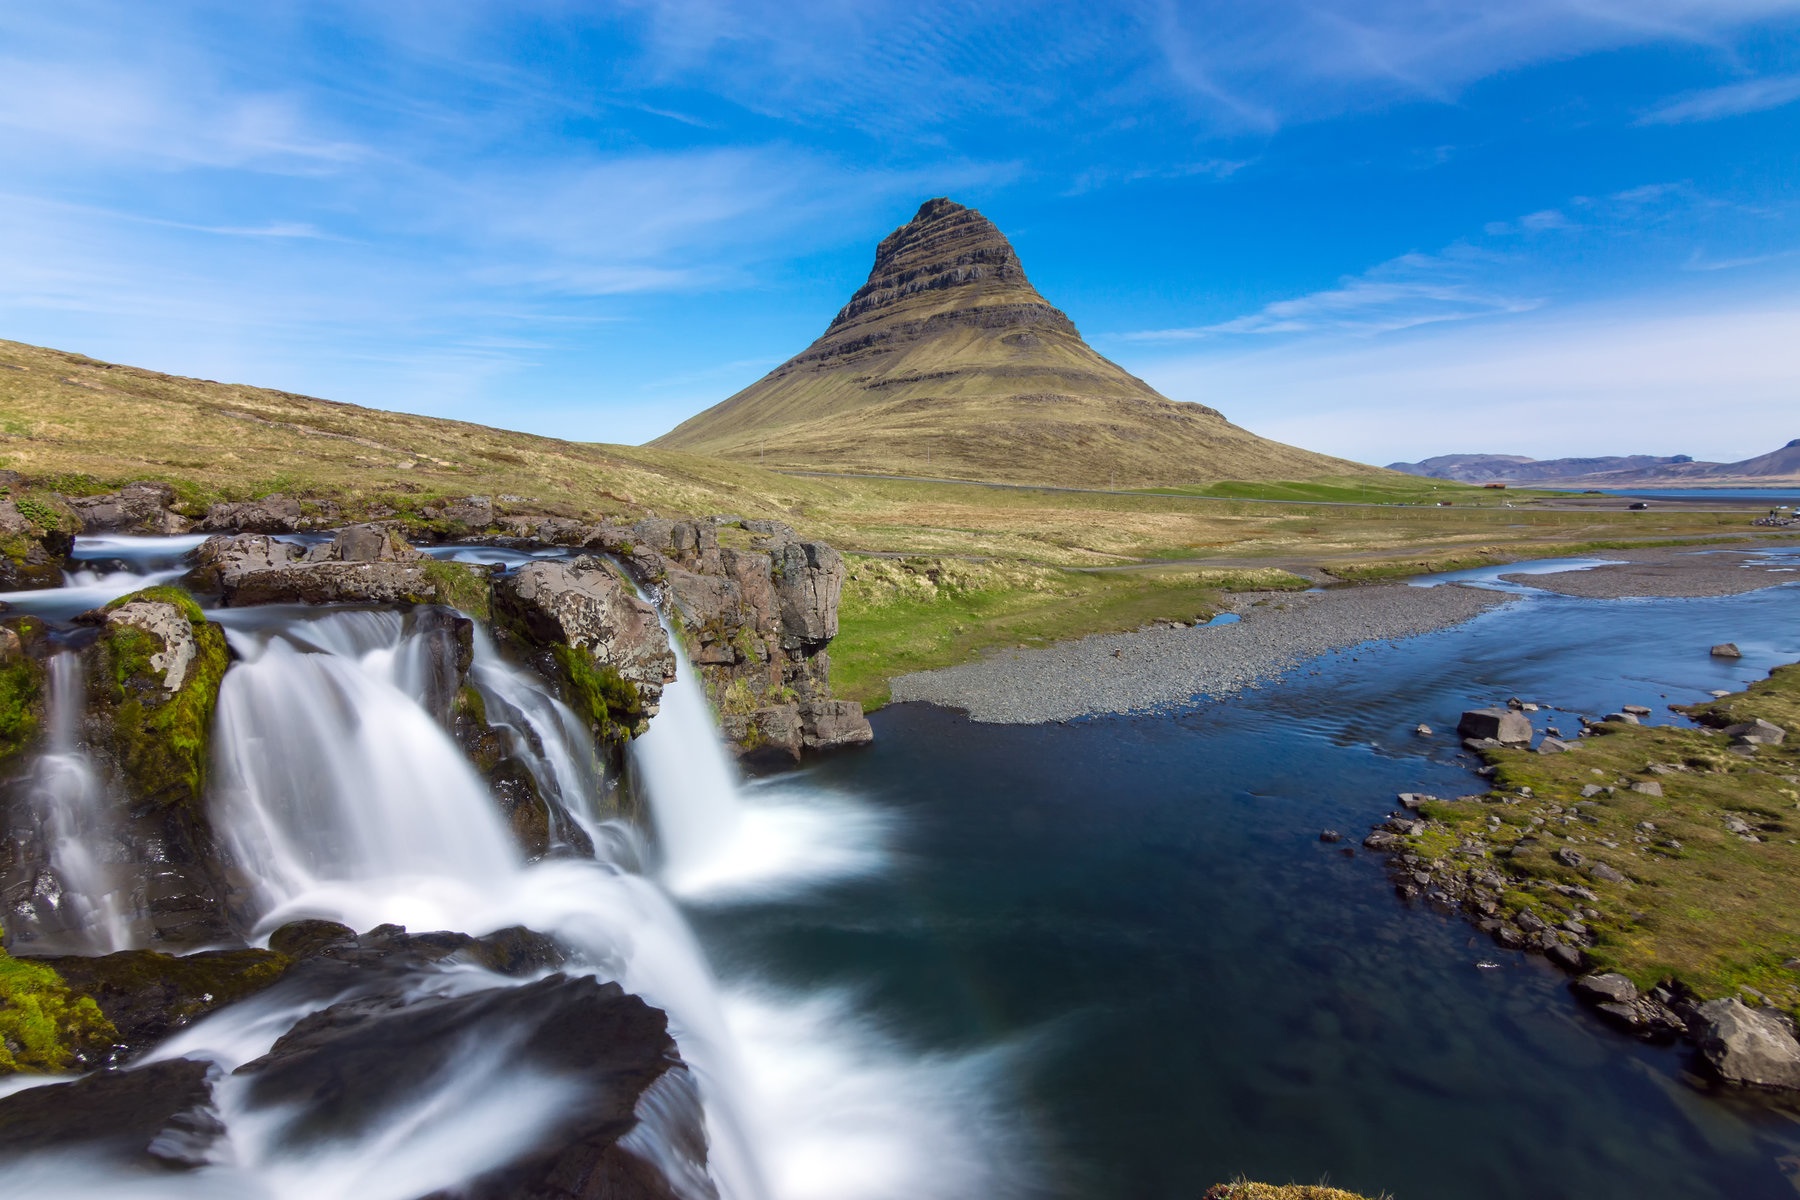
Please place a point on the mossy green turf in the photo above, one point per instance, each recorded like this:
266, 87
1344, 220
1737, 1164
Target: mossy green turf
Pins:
1243, 1189
21, 702
161, 739
45, 1025
609, 701
461, 586
1715, 912
916, 614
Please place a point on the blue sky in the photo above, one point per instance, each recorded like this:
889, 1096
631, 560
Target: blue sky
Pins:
1381, 228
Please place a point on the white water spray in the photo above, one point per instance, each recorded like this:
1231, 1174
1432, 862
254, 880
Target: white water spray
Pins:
69, 803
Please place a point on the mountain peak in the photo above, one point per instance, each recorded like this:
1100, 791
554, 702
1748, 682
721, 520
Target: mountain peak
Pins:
947, 262
947, 362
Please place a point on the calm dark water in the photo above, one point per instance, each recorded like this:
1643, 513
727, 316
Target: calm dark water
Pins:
1191, 986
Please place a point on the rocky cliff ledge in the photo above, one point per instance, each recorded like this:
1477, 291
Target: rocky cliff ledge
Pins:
755, 617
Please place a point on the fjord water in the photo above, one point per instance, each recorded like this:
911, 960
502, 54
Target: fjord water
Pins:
1136, 917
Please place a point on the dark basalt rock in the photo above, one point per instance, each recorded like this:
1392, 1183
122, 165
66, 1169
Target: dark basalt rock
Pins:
158, 1115
343, 1068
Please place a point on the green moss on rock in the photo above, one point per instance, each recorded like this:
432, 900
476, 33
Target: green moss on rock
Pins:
46, 1026
21, 703
160, 738
461, 586
610, 702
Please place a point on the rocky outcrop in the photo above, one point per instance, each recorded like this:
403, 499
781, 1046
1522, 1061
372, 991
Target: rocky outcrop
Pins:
361, 564
272, 514
1753, 1047
755, 621
582, 624
153, 677
36, 535
142, 508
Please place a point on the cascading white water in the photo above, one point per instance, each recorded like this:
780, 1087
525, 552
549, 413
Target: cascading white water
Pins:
346, 800
69, 804
343, 797
692, 784
716, 843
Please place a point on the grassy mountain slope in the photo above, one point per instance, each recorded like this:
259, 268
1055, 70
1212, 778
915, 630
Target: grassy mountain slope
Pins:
948, 363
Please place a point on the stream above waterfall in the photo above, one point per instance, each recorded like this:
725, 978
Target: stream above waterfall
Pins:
1108, 958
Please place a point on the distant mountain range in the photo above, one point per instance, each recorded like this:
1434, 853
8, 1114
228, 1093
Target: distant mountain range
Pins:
1778, 467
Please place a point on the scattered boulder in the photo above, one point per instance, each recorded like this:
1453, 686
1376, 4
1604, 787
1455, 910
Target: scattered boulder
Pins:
1748, 1046
146, 508
1605, 873
272, 514
1727, 650
1553, 745
1756, 733
1502, 725
1648, 787
1635, 710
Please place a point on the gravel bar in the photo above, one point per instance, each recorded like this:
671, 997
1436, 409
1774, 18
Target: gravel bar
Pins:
1672, 573
1164, 667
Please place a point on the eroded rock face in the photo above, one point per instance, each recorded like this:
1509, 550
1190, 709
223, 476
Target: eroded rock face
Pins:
1750, 1046
755, 623
809, 581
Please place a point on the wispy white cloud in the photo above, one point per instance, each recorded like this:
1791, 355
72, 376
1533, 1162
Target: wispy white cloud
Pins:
1736, 99
1402, 293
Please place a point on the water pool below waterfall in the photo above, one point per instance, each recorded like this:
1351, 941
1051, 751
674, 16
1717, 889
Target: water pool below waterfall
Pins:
1178, 982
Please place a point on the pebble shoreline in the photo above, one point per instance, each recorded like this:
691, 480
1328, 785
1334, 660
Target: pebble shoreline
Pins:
1157, 668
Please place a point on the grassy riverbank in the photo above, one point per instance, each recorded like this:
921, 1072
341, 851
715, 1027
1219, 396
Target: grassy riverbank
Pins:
1704, 841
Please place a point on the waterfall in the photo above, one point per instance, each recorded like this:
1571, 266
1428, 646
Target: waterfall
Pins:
341, 796
346, 800
690, 781
68, 803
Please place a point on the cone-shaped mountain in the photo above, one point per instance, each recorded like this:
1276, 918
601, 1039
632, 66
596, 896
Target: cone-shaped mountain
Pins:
948, 363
